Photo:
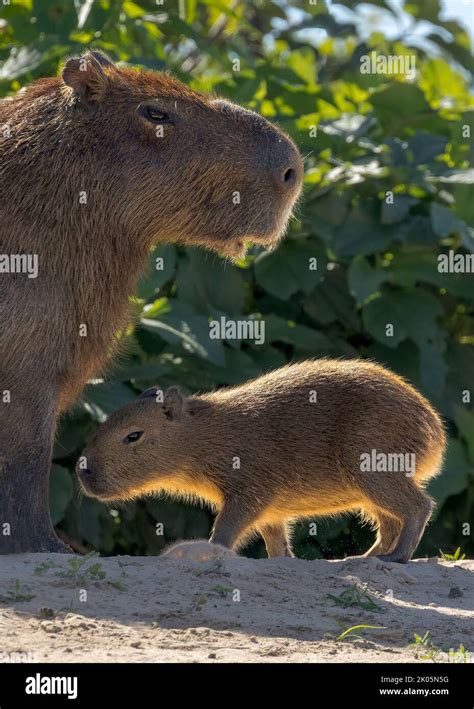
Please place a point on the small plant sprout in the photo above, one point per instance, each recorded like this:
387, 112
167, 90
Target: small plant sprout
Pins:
457, 556
351, 632
354, 596
426, 644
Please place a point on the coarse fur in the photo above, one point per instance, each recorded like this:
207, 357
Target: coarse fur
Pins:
284, 446
89, 184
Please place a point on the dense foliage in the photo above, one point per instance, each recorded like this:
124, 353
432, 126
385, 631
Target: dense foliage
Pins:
387, 189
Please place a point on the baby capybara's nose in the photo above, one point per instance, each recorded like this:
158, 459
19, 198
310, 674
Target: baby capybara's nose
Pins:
88, 479
86, 475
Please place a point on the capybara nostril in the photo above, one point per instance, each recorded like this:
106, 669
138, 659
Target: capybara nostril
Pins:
288, 176
285, 178
85, 473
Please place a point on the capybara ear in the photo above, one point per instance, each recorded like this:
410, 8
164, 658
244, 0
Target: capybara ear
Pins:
152, 393
86, 75
173, 404
102, 58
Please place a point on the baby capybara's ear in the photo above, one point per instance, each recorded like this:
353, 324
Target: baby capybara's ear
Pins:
153, 393
173, 401
86, 75
173, 404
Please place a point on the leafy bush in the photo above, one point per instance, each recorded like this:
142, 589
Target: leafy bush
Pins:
387, 189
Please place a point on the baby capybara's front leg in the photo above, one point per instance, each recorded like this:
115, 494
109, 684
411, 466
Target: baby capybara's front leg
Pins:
237, 516
388, 532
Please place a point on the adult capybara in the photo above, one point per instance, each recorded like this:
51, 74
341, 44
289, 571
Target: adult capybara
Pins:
314, 438
98, 165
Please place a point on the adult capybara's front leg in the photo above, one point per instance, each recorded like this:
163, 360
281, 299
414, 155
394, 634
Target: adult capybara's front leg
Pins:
27, 424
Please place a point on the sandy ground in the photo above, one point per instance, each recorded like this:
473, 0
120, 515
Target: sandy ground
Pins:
60, 608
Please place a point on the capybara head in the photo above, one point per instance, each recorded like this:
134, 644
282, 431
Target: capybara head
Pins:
177, 165
137, 448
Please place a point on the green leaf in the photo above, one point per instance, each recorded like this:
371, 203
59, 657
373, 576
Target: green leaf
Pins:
465, 422
404, 359
307, 262
443, 220
331, 301
464, 206
209, 284
240, 366
305, 338
363, 280
410, 268
60, 492
73, 430
433, 367
103, 399
135, 371
267, 358
362, 232
424, 9
412, 313
460, 361
21, 61
384, 322
132, 9
293, 266
272, 274
454, 477
90, 522
161, 268
398, 104
396, 212
425, 147
83, 9
181, 326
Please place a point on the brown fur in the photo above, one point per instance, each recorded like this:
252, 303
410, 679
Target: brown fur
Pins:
298, 458
82, 132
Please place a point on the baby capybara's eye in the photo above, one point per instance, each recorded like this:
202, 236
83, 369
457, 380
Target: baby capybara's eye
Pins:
132, 437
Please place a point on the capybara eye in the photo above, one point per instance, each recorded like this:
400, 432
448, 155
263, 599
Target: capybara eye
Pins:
132, 437
153, 114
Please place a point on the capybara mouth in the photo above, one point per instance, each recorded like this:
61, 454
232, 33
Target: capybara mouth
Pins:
101, 495
96, 491
92, 489
269, 243
237, 249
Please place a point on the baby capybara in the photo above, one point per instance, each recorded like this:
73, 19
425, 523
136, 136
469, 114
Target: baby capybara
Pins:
313, 438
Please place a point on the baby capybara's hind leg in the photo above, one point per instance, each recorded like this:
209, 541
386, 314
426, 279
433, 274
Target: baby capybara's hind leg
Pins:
388, 532
404, 500
413, 527
276, 541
